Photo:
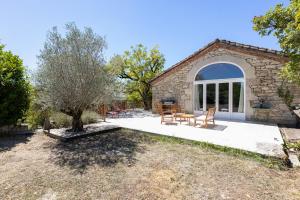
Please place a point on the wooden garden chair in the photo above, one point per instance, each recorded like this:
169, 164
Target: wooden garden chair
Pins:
209, 117
165, 116
178, 112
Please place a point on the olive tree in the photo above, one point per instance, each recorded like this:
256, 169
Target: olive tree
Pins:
71, 75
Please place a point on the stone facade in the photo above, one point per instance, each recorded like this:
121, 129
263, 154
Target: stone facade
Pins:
261, 81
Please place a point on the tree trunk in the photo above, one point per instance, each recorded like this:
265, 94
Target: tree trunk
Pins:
77, 124
147, 103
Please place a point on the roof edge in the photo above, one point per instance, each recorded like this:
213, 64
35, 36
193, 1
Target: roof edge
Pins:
217, 41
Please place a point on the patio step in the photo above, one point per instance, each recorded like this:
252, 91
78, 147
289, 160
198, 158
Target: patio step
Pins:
291, 134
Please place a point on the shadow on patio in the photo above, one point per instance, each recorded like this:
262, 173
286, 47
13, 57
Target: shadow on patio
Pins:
105, 150
216, 127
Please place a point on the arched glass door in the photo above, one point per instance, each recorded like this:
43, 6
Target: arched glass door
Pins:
220, 85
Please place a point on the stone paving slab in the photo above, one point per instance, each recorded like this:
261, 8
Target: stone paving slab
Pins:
91, 129
291, 134
260, 138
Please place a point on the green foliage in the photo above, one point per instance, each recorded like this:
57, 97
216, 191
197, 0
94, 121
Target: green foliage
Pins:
14, 88
295, 145
37, 112
61, 120
71, 76
137, 68
89, 117
284, 23
286, 95
35, 118
134, 99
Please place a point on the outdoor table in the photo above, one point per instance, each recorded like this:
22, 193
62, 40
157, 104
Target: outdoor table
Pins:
187, 117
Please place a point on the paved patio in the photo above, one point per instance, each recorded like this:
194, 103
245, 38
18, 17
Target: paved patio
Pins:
254, 137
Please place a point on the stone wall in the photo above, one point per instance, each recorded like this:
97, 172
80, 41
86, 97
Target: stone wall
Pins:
174, 85
262, 81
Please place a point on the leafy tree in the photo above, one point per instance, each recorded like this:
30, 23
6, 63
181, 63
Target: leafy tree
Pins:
284, 23
71, 76
137, 67
14, 88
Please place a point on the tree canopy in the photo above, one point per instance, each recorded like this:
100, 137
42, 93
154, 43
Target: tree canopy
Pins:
284, 24
71, 76
14, 88
138, 67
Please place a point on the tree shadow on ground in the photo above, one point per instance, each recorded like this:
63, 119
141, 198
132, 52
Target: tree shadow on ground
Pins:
7, 142
105, 150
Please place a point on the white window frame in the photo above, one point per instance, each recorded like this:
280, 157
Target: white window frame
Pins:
230, 114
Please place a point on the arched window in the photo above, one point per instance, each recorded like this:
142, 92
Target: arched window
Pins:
219, 71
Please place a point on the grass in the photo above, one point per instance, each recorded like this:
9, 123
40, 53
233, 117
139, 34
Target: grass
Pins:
294, 145
268, 161
127, 164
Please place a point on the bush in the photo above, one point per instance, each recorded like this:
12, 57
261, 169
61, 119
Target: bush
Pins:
14, 88
36, 118
61, 120
295, 146
37, 113
89, 117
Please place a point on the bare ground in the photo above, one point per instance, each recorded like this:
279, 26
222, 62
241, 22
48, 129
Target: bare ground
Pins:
123, 165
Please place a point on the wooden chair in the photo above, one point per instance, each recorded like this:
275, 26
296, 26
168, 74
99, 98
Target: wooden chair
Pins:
113, 112
178, 111
210, 116
165, 116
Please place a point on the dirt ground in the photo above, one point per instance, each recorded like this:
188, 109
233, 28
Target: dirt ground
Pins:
123, 165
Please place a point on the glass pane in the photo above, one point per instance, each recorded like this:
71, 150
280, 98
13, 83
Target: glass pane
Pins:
238, 97
199, 97
224, 97
219, 71
210, 96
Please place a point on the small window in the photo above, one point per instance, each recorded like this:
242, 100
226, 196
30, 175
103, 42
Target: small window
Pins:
219, 71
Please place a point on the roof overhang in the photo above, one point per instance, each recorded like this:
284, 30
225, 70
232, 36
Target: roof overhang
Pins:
233, 46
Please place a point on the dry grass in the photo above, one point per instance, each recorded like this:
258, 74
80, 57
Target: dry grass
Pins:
124, 165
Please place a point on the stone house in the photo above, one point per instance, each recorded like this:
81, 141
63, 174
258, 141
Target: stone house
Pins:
240, 80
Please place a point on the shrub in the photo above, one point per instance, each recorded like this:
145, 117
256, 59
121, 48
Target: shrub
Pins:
286, 95
37, 112
89, 117
14, 88
295, 146
35, 117
61, 120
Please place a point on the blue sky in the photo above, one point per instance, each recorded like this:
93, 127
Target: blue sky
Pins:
178, 27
